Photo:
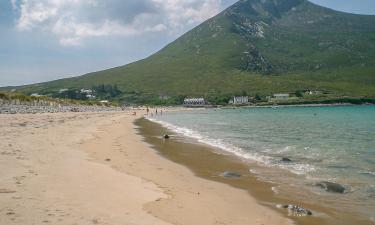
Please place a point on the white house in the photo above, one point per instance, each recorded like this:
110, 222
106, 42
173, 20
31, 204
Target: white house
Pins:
36, 95
240, 100
281, 96
90, 96
86, 91
63, 90
194, 102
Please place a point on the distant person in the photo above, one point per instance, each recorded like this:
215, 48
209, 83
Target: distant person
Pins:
156, 112
147, 110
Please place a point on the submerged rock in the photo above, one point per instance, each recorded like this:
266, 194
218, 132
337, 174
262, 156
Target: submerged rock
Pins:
166, 136
296, 210
228, 174
331, 187
285, 159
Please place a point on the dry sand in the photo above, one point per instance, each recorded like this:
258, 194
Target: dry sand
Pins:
92, 168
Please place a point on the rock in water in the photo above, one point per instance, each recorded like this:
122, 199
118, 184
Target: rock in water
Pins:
285, 159
296, 210
228, 174
166, 136
331, 187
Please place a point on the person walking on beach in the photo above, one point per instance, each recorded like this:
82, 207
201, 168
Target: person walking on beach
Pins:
156, 112
147, 110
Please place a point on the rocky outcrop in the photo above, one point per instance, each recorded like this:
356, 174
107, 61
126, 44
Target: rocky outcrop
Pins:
295, 210
285, 159
229, 174
331, 187
19, 108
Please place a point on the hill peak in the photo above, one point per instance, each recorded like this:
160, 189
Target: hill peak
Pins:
257, 46
264, 8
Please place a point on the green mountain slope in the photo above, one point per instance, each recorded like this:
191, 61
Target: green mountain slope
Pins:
257, 46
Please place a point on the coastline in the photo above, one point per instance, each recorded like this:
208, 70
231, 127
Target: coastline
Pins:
92, 168
292, 105
208, 162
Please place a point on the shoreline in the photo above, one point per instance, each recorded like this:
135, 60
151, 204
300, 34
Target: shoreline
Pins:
280, 106
187, 197
93, 168
325, 214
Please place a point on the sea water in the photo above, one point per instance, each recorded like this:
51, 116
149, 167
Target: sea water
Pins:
335, 144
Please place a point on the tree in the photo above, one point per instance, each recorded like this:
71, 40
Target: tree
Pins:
257, 97
299, 94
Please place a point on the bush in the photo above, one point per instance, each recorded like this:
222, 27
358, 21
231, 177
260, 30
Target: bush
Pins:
299, 94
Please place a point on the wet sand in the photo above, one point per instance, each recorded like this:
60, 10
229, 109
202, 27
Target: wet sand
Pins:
209, 163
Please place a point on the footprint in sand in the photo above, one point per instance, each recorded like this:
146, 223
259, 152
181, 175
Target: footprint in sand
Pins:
6, 191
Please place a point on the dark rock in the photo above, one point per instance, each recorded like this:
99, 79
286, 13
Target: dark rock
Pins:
285, 159
331, 187
228, 174
108, 160
166, 136
296, 210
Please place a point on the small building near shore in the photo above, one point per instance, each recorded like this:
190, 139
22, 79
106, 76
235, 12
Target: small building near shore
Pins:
240, 100
281, 96
194, 102
35, 95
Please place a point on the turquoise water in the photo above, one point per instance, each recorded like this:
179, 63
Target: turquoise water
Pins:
334, 144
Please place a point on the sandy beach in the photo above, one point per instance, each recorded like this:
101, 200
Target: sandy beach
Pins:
93, 168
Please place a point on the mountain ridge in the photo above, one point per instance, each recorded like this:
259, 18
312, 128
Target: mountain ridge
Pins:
257, 46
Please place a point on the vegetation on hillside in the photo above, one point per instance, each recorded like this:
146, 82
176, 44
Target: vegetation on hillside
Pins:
260, 47
9, 97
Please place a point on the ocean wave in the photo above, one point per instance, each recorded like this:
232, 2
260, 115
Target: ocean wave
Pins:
296, 168
371, 173
275, 190
217, 143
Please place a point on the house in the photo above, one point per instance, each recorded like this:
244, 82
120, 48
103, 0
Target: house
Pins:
311, 92
164, 97
36, 95
63, 90
194, 102
241, 100
90, 96
86, 91
281, 96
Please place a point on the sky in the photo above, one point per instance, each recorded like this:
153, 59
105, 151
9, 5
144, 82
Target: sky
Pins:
42, 40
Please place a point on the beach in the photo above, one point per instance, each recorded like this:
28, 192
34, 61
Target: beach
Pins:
94, 168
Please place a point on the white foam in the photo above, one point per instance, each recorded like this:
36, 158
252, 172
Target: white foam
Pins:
217, 143
368, 172
298, 168
275, 190
220, 144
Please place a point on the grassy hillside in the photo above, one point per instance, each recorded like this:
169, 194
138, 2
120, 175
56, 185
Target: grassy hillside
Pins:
258, 46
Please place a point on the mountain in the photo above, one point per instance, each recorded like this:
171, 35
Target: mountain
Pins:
257, 46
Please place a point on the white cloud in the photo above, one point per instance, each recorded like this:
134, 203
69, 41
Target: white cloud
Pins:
72, 21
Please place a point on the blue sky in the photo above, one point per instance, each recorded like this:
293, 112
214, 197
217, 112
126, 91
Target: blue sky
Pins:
43, 40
